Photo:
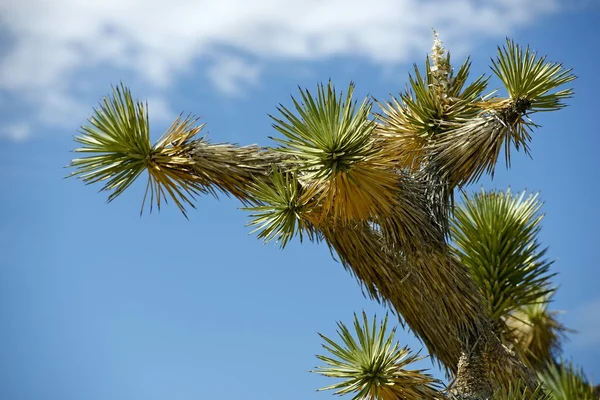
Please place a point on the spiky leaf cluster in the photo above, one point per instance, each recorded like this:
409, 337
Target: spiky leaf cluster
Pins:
535, 332
566, 382
495, 236
118, 139
529, 79
412, 122
331, 144
518, 391
373, 367
329, 135
120, 134
468, 149
282, 209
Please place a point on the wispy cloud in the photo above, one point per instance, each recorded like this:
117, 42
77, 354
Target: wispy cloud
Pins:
230, 74
17, 131
54, 43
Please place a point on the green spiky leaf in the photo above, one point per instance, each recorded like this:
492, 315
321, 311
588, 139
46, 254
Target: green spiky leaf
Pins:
329, 134
118, 136
330, 143
281, 209
536, 333
518, 391
117, 144
531, 78
495, 236
567, 382
373, 367
411, 123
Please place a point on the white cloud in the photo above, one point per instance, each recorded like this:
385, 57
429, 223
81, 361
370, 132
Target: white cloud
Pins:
60, 109
232, 73
56, 41
17, 132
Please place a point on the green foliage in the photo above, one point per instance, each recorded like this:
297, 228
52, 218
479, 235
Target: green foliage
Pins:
566, 382
118, 137
119, 134
329, 134
281, 210
536, 333
426, 108
373, 367
495, 236
518, 391
530, 78
469, 148
331, 146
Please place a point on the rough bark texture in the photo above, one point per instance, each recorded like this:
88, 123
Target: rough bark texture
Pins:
472, 380
505, 367
488, 365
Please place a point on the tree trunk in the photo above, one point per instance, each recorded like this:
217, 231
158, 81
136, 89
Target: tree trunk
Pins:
436, 297
472, 378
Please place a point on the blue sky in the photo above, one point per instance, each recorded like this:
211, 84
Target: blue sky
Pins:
98, 303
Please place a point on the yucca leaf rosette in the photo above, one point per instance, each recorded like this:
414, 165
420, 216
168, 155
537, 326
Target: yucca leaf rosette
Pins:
282, 208
495, 234
567, 382
530, 79
410, 122
331, 144
517, 391
535, 332
470, 148
373, 367
117, 138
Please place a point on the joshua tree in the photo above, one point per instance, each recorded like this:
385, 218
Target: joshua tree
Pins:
376, 187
